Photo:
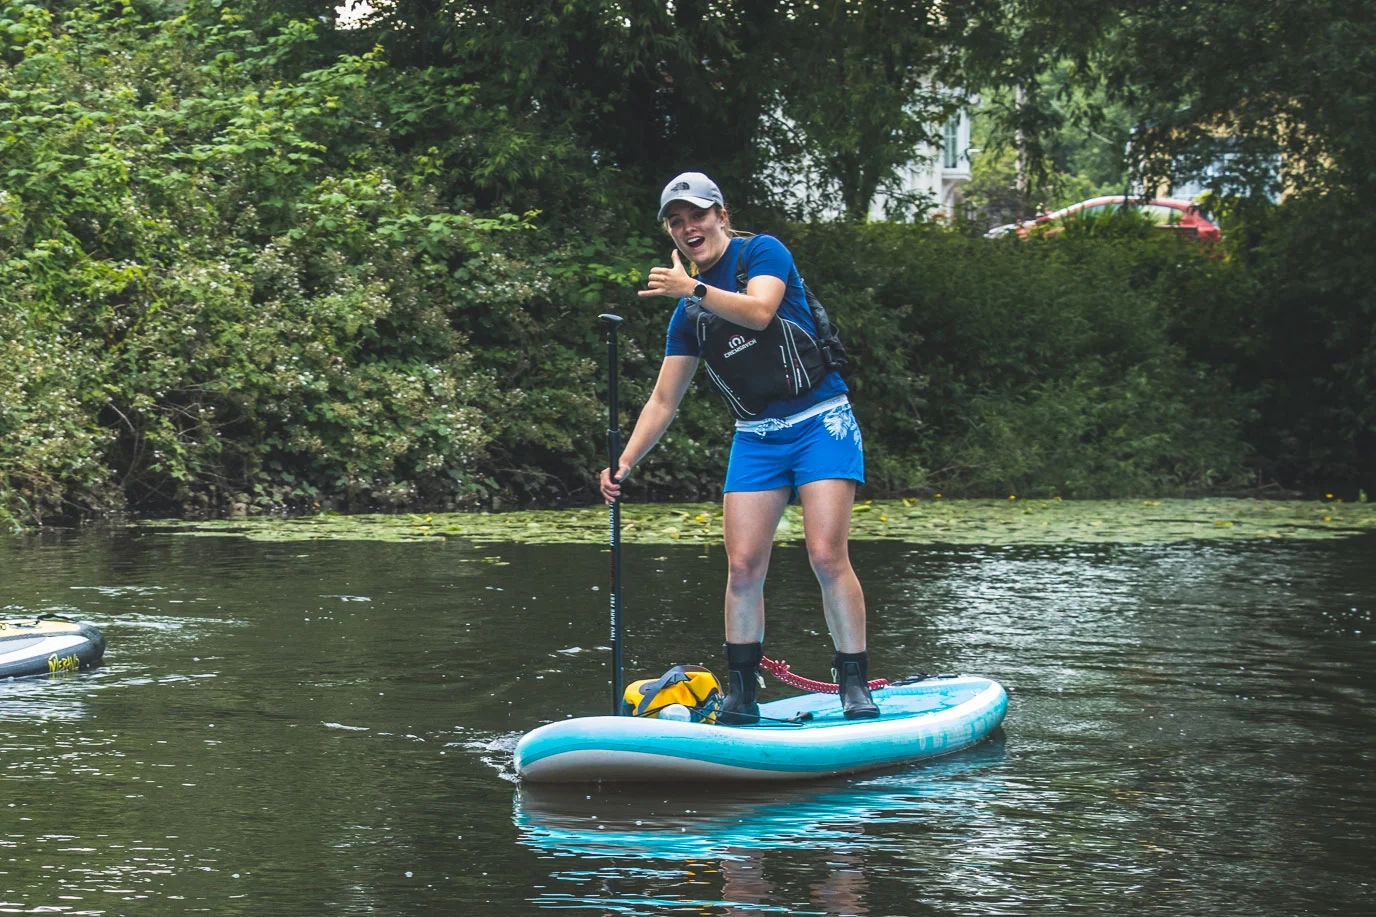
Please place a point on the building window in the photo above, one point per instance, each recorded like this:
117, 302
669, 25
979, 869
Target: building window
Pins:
951, 159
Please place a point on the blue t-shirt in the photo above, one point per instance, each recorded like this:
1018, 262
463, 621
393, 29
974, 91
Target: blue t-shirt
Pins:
762, 255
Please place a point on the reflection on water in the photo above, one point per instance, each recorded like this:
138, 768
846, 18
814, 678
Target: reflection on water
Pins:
729, 838
723, 822
326, 728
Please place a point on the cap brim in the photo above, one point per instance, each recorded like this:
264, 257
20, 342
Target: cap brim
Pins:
702, 202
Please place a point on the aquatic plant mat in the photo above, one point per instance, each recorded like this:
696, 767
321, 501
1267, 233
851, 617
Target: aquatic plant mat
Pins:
916, 521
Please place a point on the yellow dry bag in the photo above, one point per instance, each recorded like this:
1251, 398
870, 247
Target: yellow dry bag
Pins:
690, 685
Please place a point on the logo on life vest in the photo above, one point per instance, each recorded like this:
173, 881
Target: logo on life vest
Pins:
737, 344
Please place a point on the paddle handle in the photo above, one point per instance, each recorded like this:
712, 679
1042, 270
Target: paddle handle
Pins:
610, 324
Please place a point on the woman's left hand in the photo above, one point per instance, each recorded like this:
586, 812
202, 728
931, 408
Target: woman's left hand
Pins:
669, 281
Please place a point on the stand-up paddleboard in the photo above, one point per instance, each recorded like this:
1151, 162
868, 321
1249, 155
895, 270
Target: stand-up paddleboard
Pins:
808, 739
48, 645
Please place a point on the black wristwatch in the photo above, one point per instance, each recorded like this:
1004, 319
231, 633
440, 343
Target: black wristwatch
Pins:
699, 292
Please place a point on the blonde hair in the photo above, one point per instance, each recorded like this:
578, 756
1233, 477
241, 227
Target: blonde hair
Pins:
725, 216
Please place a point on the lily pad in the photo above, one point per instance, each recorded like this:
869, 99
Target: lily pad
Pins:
928, 521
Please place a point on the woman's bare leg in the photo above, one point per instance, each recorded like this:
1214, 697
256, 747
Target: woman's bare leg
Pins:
826, 526
748, 524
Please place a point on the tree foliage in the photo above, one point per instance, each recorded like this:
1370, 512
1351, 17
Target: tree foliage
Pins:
1081, 150
843, 89
858, 94
1246, 84
246, 294
250, 259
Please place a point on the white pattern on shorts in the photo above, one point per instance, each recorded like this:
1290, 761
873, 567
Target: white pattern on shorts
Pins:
840, 421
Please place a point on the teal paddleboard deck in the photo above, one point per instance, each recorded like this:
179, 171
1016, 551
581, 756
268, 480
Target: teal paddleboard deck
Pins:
918, 721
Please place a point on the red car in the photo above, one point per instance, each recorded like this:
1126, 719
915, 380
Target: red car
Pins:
1182, 217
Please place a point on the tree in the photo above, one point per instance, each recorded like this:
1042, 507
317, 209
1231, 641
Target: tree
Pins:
1253, 79
1079, 150
860, 83
645, 89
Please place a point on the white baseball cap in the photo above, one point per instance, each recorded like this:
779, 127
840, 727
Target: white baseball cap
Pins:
693, 187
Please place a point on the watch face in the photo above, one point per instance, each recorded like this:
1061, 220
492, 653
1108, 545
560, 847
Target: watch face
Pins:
700, 291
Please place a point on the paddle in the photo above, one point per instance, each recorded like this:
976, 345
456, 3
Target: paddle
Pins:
610, 323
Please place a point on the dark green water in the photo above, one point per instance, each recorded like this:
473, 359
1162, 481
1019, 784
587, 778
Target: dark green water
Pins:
326, 728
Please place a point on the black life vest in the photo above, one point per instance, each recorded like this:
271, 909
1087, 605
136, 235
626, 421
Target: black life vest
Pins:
752, 368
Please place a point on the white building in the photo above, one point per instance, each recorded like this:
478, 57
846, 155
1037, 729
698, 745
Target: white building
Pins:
933, 175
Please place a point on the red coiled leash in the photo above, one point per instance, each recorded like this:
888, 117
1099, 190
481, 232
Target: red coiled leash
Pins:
781, 671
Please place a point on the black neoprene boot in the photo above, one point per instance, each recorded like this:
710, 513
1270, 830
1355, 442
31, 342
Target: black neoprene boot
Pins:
742, 673
851, 671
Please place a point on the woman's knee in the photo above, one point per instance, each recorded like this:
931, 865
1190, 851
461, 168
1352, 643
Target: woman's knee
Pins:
747, 569
829, 562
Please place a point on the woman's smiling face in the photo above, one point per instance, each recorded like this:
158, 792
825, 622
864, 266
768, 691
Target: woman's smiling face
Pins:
699, 233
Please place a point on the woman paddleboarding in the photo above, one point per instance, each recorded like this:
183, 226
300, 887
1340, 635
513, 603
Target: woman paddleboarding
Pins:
744, 310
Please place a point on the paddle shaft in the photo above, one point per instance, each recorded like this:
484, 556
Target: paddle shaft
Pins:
610, 323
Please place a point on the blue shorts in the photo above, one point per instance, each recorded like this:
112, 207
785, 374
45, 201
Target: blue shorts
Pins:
769, 454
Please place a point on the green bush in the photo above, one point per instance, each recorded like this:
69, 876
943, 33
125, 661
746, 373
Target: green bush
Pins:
1042, 367
52, 454
1305, 347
